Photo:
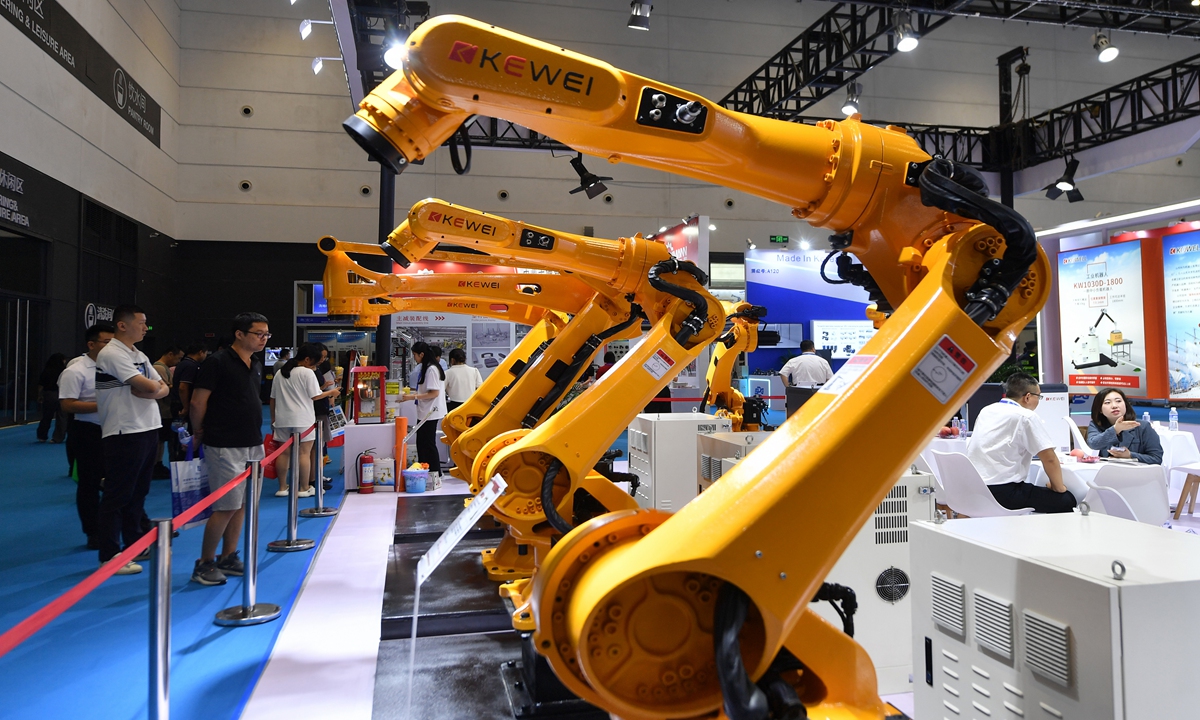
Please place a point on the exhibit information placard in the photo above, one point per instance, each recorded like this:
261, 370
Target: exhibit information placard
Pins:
843, 338
1181, 286
1103, 322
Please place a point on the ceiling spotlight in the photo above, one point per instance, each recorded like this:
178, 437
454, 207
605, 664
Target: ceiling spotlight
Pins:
750, 244
639, 19
306, 27
662, 229
805, 245
319, 63
853, 93
711, 227
397, 51
906, 37
590, 183
1065, 184
1105, 50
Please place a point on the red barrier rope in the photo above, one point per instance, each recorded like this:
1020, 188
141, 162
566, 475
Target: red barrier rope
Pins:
22, 631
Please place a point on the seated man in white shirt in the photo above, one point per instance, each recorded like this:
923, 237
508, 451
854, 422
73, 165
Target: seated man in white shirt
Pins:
806, 369
1007, 435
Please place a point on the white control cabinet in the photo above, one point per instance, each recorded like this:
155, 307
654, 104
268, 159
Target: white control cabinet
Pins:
662, 453
876, 564
877, 567
1025, 617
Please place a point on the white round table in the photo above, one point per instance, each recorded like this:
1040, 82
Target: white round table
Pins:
1079, 476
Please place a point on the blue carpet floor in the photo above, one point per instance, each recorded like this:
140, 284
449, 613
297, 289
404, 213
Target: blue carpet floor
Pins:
92, 661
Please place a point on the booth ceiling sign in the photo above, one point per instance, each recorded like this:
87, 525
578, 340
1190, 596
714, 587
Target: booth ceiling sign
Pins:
60, 36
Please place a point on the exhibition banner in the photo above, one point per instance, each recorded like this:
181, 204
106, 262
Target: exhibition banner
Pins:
1102, 318
1181, 285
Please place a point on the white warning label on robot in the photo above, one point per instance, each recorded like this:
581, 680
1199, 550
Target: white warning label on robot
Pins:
658, 365
944, 369
847, 374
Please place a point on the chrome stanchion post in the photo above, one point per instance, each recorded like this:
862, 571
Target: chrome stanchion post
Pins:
160, 624
293, 543
319, 475
250, 612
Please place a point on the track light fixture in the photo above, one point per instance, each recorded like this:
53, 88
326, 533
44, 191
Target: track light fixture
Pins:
750, 244
319, 63
853, 94
906, 38
396, 51
639, 18
1105, 50
589, 183
805, 245
306, 27
1065, 184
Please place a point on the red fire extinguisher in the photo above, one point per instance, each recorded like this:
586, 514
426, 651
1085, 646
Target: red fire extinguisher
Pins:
366, 472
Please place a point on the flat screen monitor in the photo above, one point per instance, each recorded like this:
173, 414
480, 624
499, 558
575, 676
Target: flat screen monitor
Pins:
320, 306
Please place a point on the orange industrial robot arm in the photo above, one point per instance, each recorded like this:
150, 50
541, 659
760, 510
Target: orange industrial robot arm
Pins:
651, 615
741, 338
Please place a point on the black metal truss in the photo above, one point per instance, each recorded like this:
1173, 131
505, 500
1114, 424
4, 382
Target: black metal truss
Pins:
1158, 17
495, 133
831, 53
1158, 98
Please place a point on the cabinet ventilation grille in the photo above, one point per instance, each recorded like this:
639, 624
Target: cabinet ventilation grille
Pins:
949, 603
993, 624
891, 517
1047, 648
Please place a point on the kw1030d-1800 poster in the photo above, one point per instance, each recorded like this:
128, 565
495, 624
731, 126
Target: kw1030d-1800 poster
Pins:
1103, 325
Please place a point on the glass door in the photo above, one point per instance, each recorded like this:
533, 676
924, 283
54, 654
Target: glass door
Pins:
22, 323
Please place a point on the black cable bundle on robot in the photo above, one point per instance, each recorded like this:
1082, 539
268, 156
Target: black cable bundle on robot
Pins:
694, 322
843, 601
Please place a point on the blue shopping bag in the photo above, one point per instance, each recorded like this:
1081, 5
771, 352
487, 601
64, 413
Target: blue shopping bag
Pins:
189, 485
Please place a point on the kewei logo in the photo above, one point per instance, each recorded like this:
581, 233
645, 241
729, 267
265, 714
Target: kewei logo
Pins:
520, 67
463, 52
480, 284
439, 218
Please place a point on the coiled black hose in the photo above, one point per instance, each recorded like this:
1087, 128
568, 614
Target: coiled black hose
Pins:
694, 322
961, 189
742, 698
548, 508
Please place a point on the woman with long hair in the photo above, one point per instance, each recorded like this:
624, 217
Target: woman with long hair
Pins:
431, 403
1116, 432
462, 380
293, 392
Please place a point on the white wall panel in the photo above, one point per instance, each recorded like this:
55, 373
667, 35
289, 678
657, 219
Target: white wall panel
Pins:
202, 60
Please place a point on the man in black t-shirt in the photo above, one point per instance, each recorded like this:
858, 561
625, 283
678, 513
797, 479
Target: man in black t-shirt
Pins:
227, 417
185, 379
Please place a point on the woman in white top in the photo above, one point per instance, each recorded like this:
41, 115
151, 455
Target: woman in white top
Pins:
462, 380
293, 391
431, 403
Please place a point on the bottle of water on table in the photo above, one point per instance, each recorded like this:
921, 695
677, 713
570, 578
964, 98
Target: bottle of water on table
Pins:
1174, 423
1146, 417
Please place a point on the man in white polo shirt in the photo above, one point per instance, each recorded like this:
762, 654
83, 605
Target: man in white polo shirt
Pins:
77, 394
808, 369
1007, 435
126, 389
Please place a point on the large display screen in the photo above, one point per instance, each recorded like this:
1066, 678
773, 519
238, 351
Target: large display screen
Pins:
1181, 286
1103, 323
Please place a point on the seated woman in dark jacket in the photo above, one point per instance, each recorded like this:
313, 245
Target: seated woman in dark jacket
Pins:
1114, 425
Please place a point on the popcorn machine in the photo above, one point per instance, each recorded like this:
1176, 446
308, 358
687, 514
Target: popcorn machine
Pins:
368, 394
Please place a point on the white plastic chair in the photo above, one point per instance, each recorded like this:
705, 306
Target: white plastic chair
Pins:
1141, 487
964, 490
1080, 443
1114, 504
923, 466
